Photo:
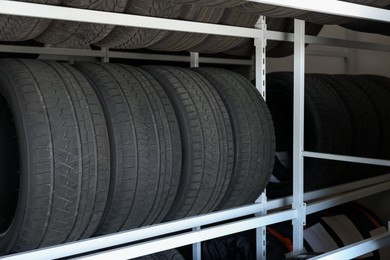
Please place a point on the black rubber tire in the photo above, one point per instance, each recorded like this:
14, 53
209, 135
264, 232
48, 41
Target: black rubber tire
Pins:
213, 3
63, 154
327, 130
245, 48
134, 37
364, 123
380, 98
77, 34
254, 136
20, 28
172, 254
218, 43
207, 140
180, 41
377, 79
145, 145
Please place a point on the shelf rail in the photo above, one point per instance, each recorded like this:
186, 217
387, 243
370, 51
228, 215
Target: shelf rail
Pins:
325, 197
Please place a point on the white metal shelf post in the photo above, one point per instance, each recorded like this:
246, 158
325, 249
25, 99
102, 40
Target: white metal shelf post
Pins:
196, 247
194, 59
260, 75
298, 143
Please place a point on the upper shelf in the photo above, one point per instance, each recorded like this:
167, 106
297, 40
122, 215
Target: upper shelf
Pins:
92, 16
82, 15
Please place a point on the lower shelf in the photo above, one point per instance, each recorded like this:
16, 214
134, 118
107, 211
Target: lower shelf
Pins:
280, 210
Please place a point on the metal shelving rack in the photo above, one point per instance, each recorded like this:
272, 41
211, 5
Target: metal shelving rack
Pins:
188, 231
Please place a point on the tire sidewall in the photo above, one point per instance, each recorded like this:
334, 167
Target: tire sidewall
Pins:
9, 237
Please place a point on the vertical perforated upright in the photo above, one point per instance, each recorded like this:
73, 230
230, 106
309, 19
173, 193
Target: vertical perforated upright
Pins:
260, 69
197, 247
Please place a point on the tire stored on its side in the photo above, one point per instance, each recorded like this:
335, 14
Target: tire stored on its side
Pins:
77, 34
62, 140
207, 140
145, 145
23, 28
364, 122
327, 130
254, 136
123, 37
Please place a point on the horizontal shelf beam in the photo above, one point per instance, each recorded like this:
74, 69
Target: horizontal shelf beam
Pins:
333, 7
180, 225
326, 41
345, 158
135, 235
177, 58
357, 249
158, 245
100, 17
346, 197
332, 191
119, 55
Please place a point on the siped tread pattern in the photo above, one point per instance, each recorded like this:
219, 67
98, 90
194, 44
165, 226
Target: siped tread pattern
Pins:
133, 37
19, 28
145, 142
66, 135
206, 139
218, 43
77, 34
179, 41
254, 136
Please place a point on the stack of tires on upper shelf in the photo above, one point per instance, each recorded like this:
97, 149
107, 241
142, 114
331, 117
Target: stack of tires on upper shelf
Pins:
98, 148
325, 231
344, 114
60, 33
